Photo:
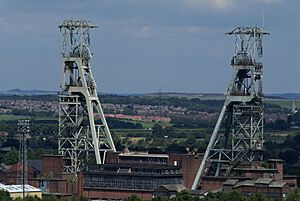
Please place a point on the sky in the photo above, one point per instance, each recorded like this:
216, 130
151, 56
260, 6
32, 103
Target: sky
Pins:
143, 45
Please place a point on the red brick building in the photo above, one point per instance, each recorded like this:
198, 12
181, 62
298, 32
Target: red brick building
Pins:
126, 173
267, 186
256, 177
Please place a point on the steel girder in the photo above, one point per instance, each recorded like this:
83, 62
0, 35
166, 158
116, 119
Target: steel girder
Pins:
83, 130
238, 133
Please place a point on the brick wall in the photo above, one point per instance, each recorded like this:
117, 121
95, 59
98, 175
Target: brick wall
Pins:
96, 194
189, 165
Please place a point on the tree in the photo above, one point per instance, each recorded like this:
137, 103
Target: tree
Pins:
175, 148
133, 198
157, 131
50, 198
258, 197
234, 196
160, 199
280, 124
11, 157
185, 195
30, 198
289, 155
83, 199
4, 196
293, 196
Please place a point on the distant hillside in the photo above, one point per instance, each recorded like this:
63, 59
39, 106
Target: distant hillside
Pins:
218, 96
21, 92
290, 96
202, 96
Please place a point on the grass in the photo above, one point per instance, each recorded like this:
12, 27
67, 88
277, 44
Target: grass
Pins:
279, 136
11, 117
284, 103
148, 124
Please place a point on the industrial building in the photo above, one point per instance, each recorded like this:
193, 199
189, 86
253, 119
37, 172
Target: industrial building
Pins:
148, 175
137, 173
277, 184
233, 160
16, 191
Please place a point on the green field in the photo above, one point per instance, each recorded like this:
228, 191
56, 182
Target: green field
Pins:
147, 124
284, 102
11, 117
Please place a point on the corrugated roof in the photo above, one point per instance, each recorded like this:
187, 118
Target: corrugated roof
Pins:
264, 181
135, 154
245, 183
174, 187
275, 160
18, 188
230, 182
277, 184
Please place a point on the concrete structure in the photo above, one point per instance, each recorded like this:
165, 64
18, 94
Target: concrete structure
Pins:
16, 191
81, 136
242, 113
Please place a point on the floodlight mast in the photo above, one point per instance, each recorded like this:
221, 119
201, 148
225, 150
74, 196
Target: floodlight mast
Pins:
242, 113
80, 133
23, 135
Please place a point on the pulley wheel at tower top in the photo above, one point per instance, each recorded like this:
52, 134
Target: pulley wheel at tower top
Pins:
83, 52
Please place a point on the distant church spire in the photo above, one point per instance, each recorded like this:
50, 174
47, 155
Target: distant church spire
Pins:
294, 107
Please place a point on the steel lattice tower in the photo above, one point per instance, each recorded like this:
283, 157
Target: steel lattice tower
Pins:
241, 139
83, 129
23, 135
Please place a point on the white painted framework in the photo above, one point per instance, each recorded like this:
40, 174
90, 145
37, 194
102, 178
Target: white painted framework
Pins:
238, 133
83, 130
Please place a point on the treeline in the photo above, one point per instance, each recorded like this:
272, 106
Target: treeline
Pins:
4, 196
289, 150
32, 113
234, 196
47, 97
116, 124
194, 104
191, 122
184, 195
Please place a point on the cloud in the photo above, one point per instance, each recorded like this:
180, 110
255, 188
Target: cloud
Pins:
224, 4
145, 31
268, 1
216, 4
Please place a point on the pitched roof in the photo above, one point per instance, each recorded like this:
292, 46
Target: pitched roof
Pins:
277, 184
36, 164
245, 183
18, 188
174, 187
230, 182
264, 181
